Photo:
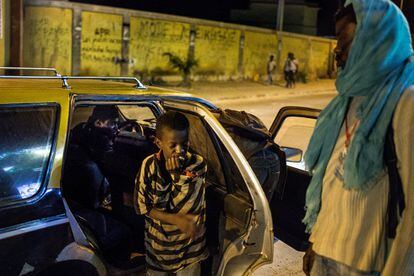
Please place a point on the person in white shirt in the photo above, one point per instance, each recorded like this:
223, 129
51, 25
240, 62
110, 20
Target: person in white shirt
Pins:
271, 66
347, 201
291, 69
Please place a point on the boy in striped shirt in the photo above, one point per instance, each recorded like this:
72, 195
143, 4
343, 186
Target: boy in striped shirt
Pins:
170, 192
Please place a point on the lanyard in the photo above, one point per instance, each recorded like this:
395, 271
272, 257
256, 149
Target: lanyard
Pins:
349, 134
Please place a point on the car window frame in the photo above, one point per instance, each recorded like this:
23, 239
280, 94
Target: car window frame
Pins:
87, 99
46, 177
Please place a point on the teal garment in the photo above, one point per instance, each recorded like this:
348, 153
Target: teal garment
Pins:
379, 67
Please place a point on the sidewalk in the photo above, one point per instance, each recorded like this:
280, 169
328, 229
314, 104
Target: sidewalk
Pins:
234, 90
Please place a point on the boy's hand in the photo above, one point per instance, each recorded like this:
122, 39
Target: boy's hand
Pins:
187, 224
174, 166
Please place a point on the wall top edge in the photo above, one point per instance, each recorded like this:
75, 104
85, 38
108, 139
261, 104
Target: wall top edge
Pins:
161, 16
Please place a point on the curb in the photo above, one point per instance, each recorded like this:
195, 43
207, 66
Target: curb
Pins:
273, 95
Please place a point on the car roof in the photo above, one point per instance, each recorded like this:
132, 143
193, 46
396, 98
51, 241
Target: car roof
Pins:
37, 90
41, 89
99, 87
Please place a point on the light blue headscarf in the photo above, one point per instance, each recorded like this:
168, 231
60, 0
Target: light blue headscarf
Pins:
380, 68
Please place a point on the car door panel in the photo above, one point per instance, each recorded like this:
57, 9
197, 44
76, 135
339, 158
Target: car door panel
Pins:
288, 209
237, 210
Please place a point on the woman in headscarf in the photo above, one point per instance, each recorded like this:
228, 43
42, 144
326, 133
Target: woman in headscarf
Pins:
347, 201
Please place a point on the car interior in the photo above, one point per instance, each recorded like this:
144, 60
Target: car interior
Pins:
229, 206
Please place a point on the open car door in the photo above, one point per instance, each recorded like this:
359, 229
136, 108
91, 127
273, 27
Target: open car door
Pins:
238, 216
292, 130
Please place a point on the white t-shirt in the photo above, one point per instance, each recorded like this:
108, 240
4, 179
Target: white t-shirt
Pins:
291, 65
271, 65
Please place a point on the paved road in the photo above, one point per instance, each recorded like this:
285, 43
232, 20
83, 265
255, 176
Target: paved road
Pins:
286, 261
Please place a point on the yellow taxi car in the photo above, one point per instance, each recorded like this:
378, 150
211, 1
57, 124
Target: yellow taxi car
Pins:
42, 230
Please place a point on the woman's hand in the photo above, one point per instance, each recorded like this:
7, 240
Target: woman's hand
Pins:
308, 260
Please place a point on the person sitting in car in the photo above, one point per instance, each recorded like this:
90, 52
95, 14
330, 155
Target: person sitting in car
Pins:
89, 143
86, 184
170, 192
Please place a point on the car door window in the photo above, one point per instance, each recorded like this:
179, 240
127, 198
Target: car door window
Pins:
293, 137
222, 171
125, 151
26, 140
201, 143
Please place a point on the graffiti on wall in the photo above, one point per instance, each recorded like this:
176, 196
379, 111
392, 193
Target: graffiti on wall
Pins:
101, 44
48, 38
257, 49
48, 43
217, 50
150, 38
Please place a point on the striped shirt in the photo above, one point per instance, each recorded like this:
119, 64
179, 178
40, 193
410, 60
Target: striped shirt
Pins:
168, 249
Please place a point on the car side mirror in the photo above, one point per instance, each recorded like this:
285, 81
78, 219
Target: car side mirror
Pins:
292, 154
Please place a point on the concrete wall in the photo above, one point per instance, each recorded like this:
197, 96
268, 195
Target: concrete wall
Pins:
5, 31
258, 47
101, 44
217, 50
97, 40
2, 44
48, 38
150, 39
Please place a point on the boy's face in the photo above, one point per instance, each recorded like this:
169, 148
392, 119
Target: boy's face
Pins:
173, 143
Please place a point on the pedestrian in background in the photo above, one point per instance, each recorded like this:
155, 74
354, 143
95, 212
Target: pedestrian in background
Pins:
271, 66
359, 203
290, 69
